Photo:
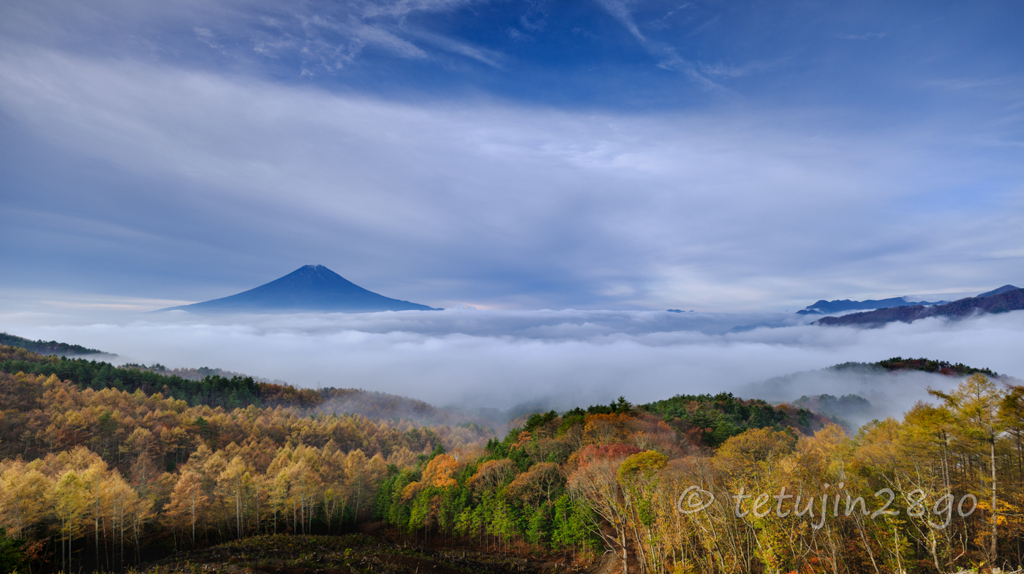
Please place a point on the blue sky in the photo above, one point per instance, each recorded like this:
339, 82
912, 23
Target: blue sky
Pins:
515, 155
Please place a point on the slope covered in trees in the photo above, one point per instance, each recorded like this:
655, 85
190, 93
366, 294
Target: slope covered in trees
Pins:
709, 421
97, 375
102, 477
46, 347
237, 391
840, 409
921, 364
939, 491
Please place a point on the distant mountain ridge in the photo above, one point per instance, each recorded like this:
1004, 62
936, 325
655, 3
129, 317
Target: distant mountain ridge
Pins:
1001, 302
824, 307
1001, 290
308, 288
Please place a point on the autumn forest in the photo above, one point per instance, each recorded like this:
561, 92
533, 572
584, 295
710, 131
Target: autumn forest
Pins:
106, 468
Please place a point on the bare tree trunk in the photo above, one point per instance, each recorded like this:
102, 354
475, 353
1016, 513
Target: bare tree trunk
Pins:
995, 510
238, 506
96, 528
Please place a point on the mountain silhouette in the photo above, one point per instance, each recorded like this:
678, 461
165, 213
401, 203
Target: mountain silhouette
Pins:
824, 307
999, 291
1006, 301
309, 288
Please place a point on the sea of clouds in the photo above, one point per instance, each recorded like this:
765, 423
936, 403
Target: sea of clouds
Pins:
559, 359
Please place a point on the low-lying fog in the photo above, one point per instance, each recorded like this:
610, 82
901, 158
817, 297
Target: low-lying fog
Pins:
554, 358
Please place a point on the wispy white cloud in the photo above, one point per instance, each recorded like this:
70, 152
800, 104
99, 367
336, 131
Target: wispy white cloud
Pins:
619, 9
373, 8
383, 24
374, 35
511, 206
325, 36
864, 36
534, 18
723, 70
337, 44
205, 35
489, 57
667, 56
973, 83
663, 22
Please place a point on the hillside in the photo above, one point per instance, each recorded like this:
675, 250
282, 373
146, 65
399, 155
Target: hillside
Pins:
309, 288
710, 420
920, 364
46, 347
851, 409
615, 481
998, 303
209, 387
39, 396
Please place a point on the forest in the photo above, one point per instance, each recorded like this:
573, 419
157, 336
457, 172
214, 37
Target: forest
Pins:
46, 347
106, 469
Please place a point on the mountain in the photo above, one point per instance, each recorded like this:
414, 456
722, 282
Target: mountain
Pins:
309, 288
999, 303
824, 307
1002, 289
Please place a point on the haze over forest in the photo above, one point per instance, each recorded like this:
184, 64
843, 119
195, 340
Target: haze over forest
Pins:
503, 358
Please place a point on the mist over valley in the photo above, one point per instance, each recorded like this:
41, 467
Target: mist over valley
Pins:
551, 359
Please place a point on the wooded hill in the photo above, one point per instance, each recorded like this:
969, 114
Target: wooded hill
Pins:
46, 347
102, 472
939, 491
921, 364
852, 407
235, 392
707, 420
